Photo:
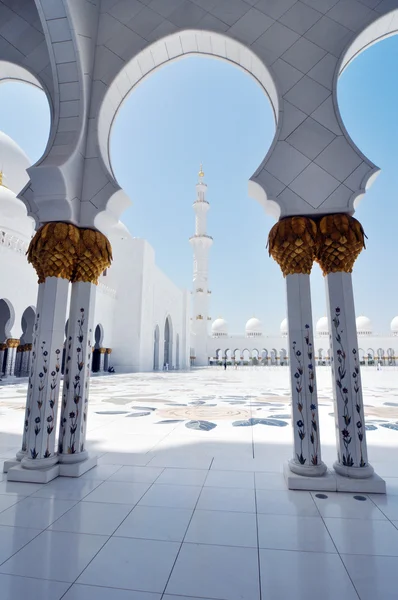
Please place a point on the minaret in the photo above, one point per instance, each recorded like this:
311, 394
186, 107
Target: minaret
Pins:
201, 243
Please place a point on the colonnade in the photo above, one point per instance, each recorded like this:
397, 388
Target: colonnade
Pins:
334, 242
62, 255
15, 358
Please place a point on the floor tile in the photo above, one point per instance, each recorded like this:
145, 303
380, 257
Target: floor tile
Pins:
13, 539
19, 489
227, 499
181, 462
136, 474
230, 479
223, 528
286, 503
92, 517
223, 572
183, 476
19, 588
360, 536
142, 565
375, 577
89, 592
124, 458
388, 505
118, 492
156, 523
286, 532
176, 496
55, 555
37, 513
67, 488
7, 501
301, 575
270, 481
101, 472
344, 506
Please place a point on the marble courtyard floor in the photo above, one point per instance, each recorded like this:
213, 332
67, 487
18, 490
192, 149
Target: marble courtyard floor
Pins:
189, 502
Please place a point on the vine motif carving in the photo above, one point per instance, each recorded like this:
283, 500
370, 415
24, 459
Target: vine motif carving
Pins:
73, 385
301, 399
343, 392
30, 386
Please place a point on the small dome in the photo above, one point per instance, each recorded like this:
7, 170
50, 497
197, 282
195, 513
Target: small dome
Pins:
394, 326
254, 327
364, 326
283, 328
13, 164
219, 327
322, 326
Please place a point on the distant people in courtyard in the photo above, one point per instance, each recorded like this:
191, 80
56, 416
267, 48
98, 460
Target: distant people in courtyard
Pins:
225, 365
111, 370
166, 366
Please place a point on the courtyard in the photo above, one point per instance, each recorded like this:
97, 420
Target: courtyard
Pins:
189, 501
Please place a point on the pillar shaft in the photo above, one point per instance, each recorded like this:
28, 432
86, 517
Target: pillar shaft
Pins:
46, 374
102, 360
72, 434
307, 447
352, 457
31, 373
292, 243
12, 345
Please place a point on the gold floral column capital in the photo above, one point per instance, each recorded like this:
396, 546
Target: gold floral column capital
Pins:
12, 343
102, 350
340, 241
109, 350
95, 255
292, 244
54, 249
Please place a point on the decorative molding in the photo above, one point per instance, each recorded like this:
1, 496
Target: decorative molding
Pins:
13, 243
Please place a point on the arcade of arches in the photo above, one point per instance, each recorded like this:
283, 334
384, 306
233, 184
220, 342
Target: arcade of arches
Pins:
89, 61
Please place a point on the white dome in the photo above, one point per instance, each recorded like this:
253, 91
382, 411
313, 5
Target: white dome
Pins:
13, 164
283, 327
394, 325
254, 327
14, 218
219, 327
322, 326
364, 326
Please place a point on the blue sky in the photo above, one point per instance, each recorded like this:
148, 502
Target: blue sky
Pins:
215, 113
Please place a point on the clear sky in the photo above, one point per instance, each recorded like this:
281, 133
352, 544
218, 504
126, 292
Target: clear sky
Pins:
211, 111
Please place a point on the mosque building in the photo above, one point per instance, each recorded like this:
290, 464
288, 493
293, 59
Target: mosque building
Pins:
143, 321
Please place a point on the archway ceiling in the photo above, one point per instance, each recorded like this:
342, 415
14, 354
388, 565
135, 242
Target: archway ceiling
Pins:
300, 46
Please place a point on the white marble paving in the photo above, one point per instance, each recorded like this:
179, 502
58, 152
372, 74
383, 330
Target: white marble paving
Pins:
188, 502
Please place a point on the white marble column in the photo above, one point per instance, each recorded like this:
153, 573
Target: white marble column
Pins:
2, 352
12, 345
32, 356
18, 361
307, 445
107, 358
102, 360
25, 361
44, 380
346, 375
73, 422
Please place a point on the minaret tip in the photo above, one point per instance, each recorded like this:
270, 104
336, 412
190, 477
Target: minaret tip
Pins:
201, 173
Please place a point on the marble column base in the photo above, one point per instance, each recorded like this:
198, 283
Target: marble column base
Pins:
8, 464
18, 473
332, 482
77, 469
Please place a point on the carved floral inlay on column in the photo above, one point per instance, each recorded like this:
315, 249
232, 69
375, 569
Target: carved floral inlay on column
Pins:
70, 422
343, 396
302, 363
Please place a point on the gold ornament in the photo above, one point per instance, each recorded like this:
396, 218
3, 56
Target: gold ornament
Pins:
3, 347
53, 250
292, 244
12, 343
95, 255
108, 350
63, 250
340, 241
102, 350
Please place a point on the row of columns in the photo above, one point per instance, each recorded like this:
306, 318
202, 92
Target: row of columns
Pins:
62, 255
17, 359
104, 359
333, 241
